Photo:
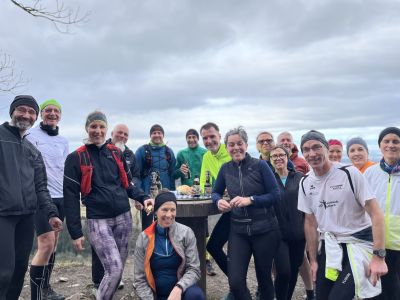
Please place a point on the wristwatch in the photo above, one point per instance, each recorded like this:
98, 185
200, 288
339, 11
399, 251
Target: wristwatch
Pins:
379, 252
252, 199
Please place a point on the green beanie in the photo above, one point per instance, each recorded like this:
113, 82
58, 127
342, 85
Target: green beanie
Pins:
50, 102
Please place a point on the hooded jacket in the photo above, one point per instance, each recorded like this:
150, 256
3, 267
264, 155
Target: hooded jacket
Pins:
300, 163
23, 180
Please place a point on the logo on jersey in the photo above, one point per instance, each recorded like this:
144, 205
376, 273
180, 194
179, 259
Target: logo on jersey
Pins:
328, 204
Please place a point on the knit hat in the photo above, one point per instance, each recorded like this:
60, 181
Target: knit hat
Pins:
50, 102
163, 197
386, 131
192, 132
314, 135
156, 127
24, 100
332, 142
356, 140
95, 116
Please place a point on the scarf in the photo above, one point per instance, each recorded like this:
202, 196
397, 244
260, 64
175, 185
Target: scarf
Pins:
390, 169
50, 130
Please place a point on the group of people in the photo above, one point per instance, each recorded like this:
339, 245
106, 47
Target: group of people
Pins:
336, 225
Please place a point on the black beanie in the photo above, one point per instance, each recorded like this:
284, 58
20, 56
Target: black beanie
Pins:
386, 131
24, 100
192, 132
156, 127
163, 197
314, 135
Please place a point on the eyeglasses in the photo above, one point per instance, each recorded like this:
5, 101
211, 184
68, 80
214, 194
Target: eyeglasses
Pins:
315, 148
24, 110
268, 141
278, 156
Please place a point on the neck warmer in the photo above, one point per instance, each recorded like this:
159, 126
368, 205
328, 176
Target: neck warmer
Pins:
390, 169
50, 130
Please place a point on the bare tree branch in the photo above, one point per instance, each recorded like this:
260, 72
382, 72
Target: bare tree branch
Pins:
9, 79
61, 16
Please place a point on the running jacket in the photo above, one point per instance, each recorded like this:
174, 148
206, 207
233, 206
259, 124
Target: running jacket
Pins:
184, 243
387, 191
107, 198
23, 180
249, 177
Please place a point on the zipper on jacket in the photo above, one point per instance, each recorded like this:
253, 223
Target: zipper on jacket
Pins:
241, 186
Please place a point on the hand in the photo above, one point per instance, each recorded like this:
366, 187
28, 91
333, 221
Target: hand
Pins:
184, 169
176, 294
240, 201
377, 268
148, 206
223, 205
56, 224
313, 268
138, 205
78, 243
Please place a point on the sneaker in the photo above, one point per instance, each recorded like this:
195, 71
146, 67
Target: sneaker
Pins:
210, 269
121, 285
50, 294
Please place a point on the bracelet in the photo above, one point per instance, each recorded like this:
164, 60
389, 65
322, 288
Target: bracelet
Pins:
179, 286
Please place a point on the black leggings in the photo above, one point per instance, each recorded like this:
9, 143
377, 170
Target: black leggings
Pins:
218, 239
240, 249
341, 289
16, 236
288, 260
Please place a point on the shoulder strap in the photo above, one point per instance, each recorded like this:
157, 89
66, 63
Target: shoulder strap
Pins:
344, 169
167, 154
86, 168
117, 155
302, 183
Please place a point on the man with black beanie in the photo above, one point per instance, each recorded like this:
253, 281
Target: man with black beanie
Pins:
23, 185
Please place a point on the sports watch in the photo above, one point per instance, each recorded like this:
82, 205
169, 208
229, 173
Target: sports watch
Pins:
379, 252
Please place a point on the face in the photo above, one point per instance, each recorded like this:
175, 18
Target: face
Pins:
157, 137
265, 143
390, 148
211, 139
236, 147
335, 153
120, 134
358, 155
51, 115
285, 140
192, 141
97, 131
23, 117
316, 154
279, 159
166, 214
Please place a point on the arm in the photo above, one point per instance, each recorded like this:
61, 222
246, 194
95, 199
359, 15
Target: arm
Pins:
140, 163
218, 191
143, 289
135, 172
192, 266
71, 187
310, 231
171, 169
377, 266
272, 194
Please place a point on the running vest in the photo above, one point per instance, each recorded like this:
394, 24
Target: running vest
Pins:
87, 168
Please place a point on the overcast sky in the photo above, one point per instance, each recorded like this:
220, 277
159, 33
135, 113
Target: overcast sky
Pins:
267, 65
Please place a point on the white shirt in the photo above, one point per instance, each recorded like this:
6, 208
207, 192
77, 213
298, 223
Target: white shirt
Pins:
330, 198
54, 150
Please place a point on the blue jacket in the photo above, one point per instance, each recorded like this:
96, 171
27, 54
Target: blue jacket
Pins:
159, 162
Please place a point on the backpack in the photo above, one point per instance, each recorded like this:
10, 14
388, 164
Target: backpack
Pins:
344, 169
148, 159
87, 168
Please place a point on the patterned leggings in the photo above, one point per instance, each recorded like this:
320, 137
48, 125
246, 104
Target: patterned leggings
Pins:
109, 238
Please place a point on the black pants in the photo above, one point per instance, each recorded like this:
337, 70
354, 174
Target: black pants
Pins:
240, 249
147, 220
391, 281
218, 239
288, 260
16, 236
341, 289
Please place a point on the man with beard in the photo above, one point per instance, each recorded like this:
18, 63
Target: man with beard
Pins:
54, 149
23, 186
119, 137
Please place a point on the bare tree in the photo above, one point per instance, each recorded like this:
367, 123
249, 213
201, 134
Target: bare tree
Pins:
10, 80
60, 15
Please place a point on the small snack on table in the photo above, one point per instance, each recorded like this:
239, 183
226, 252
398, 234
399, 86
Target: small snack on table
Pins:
184, 190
